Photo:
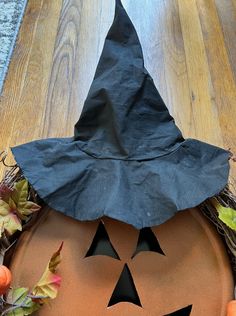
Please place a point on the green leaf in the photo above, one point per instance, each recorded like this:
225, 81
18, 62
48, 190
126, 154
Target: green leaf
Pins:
48, 285
27, 207
55, 260
20, 303
20, 193
12, 205
226, 214
20, 196
4, 208
16, 312
9, 221
17, 296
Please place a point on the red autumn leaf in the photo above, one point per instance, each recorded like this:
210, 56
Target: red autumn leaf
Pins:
5, 192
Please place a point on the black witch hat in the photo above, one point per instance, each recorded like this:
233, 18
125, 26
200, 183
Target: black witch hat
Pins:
127, 159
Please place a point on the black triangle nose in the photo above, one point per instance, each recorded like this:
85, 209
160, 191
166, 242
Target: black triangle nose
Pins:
125, 290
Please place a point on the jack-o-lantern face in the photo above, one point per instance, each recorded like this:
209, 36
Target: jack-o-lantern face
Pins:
125, 290
110, 268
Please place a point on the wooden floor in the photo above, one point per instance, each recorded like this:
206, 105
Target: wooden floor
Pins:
189, 48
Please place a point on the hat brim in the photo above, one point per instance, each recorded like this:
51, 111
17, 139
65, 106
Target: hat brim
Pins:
142, 193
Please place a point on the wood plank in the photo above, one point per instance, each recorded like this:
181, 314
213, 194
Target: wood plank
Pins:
227, 14
221, 73
29, 74
204, 110
82, 26
14, 82
32, 105
149, 26
60, 105
161, 37
176, 70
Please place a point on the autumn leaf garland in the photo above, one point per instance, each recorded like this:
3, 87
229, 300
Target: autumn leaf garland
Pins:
15, 210
15, 206
22, 301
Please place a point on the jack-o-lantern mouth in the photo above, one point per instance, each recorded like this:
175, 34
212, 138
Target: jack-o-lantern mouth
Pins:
125, 290
186, 311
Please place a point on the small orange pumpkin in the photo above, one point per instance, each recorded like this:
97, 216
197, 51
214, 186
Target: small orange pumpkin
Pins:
5, 279
231, 308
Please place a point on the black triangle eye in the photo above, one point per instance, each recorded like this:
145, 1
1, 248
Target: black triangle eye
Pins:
101, 244
186, 311
125, 290
147, 241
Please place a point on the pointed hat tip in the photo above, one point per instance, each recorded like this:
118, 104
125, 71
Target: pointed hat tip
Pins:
118, 2
119, 5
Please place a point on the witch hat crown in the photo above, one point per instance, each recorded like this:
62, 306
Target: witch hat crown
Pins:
124, 116
127, 159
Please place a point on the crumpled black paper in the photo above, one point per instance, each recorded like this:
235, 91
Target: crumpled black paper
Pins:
127, 159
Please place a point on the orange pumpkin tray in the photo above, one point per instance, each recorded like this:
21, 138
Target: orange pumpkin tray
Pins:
110, 268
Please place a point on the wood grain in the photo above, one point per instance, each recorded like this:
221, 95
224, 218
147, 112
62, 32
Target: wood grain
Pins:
36, 83
189, 49
205, 113
176, 71
82, 28
23, 100
226, 10
14, 83
221, 72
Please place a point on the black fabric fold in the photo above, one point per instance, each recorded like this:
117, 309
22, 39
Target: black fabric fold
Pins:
141, 193
124, 115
